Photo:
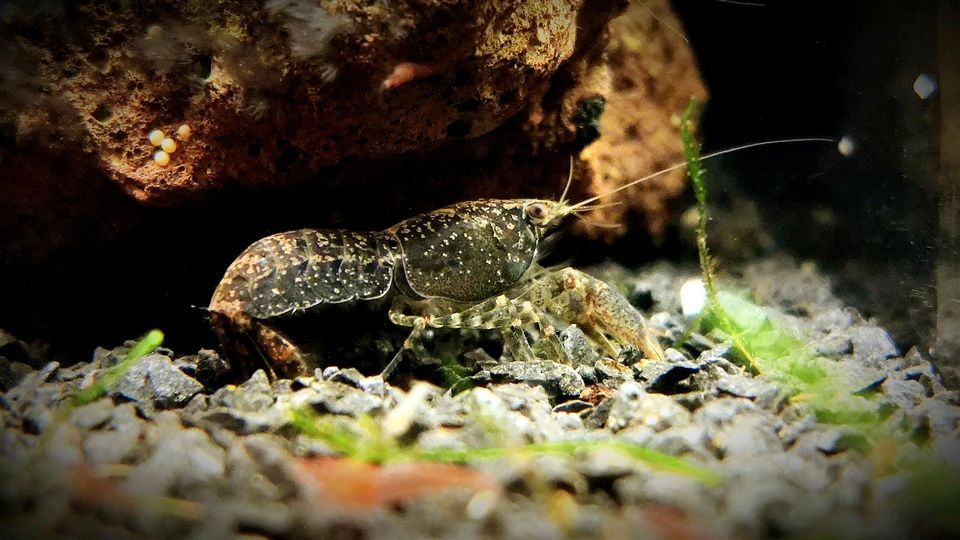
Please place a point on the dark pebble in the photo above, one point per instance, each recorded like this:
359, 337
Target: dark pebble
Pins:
573, 406
596, 418
556, 379
664, 376
641, 296
350, 376
11, 373
212, 370
588, 374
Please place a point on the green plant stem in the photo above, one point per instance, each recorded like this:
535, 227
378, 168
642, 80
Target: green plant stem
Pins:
372, 446
98, 389
145, 346
691, 152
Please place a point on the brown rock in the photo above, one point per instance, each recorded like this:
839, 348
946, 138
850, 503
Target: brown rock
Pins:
649, 77
279, 92
276, 92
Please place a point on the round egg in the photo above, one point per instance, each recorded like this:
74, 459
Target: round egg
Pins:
156, 137
161, 158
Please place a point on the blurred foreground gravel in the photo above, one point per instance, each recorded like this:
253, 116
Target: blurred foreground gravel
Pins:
171, 452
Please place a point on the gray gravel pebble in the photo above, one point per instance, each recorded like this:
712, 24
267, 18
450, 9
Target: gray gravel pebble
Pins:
597, 417
182, 460
612, 373
871, 345
112, 446
92, 415
833, 345
556, 379
154, 381
833, 320
748, 387
690, 439
185, 440
723, 411
633, 405
935, 417
578, 348
854, 374
906, 394
746, 437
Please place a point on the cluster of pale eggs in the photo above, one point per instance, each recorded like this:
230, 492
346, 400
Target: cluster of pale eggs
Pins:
167, 145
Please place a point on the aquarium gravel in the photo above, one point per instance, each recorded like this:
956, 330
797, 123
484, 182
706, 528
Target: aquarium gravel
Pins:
170, 451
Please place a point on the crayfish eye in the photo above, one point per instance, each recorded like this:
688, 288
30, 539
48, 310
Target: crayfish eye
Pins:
537, 211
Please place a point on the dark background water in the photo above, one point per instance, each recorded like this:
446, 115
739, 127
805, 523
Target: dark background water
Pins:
800, 68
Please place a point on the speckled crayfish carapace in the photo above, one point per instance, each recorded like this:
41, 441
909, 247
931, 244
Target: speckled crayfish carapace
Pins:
468, 265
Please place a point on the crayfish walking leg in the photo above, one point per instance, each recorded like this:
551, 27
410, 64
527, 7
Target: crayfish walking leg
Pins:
566, 296
508, 315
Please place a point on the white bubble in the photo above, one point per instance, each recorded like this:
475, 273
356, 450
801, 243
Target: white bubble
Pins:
924, 86
847, 146
693, 297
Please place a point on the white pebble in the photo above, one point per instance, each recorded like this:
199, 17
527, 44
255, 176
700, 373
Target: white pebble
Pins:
693, 297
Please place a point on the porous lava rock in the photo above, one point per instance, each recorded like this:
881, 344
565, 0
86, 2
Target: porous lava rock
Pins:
292, 91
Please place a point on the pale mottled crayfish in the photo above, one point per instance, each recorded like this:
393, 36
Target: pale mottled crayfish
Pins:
468, 265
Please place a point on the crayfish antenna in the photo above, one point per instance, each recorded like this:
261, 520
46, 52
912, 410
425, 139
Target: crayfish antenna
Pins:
600, 224
574, 207
566, 188
597, 207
